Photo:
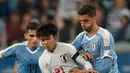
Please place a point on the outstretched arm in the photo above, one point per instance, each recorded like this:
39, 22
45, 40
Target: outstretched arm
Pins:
8, 52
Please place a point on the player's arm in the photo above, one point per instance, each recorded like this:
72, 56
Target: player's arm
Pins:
15, 67
106, 47
8, 52
78, 58
105, 66
87, 65
77, 44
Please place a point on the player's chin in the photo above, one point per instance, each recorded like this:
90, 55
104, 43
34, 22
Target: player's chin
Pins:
35, 46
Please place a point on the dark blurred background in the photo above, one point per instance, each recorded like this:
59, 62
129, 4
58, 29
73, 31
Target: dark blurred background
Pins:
113, 15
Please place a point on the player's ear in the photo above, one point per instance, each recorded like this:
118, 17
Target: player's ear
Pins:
25, 35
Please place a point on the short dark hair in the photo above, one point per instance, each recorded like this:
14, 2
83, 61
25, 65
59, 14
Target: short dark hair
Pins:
88, 9
47, 29
32, 26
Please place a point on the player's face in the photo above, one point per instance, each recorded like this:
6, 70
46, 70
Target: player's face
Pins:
49, 42
86, 22
32, 39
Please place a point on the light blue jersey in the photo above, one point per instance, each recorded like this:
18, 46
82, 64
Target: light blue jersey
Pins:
102, 47
27, 60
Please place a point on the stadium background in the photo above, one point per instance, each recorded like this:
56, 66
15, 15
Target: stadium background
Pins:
113, 15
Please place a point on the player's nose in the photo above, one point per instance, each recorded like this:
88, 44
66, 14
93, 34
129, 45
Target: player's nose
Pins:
46, 42
35, 38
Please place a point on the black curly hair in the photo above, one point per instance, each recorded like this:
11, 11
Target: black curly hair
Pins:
47, 29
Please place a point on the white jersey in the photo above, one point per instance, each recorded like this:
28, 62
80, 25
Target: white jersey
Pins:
60, 61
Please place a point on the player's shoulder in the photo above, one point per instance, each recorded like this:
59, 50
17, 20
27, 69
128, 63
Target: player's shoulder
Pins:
81, 34
44, 55
62, 45
104, 33
16, 46
24, 43
19, 44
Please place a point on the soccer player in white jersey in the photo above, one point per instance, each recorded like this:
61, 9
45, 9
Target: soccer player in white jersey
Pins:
26, 53
96, 41
58, 57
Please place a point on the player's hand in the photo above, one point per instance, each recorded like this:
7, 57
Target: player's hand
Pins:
92, 71
87, 56
75, 70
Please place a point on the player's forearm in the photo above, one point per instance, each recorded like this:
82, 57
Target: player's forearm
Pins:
87, 65
15, 67
105, 66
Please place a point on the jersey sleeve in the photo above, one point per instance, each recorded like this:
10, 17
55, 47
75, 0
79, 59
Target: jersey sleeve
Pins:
76, 57
71, 50
8, 52
107, 46
83, 62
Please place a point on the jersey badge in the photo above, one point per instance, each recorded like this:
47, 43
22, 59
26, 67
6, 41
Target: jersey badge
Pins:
93, 47
64, 58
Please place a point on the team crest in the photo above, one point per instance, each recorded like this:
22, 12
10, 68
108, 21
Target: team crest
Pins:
64, 58
93, 47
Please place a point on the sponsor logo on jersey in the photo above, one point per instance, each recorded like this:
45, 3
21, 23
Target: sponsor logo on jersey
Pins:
64, 58
93, 47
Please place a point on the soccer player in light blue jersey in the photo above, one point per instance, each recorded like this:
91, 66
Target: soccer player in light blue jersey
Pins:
97, 41
26, 53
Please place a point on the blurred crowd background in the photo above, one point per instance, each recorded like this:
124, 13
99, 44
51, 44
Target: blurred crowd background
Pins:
113, 15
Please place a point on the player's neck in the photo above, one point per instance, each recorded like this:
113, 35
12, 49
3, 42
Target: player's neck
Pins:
94, 30
32, 48
53, 48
